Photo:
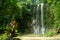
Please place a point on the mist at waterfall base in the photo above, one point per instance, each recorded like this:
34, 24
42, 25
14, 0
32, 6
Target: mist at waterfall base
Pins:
36, 26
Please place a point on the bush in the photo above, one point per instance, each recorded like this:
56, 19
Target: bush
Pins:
50, 33
3, 37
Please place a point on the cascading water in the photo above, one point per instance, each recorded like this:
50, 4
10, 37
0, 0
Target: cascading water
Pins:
36, 18
42, 20
35, 27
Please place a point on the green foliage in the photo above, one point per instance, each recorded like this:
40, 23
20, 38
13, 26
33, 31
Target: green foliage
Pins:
18, 10
56, 12
3, 37
49, 1
21, 11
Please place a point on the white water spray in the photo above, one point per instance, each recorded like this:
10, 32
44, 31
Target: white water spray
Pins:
35, 27
42, 19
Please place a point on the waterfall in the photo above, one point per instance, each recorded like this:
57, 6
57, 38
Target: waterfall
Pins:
36, 18
35, 27
35, 22
42, 19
